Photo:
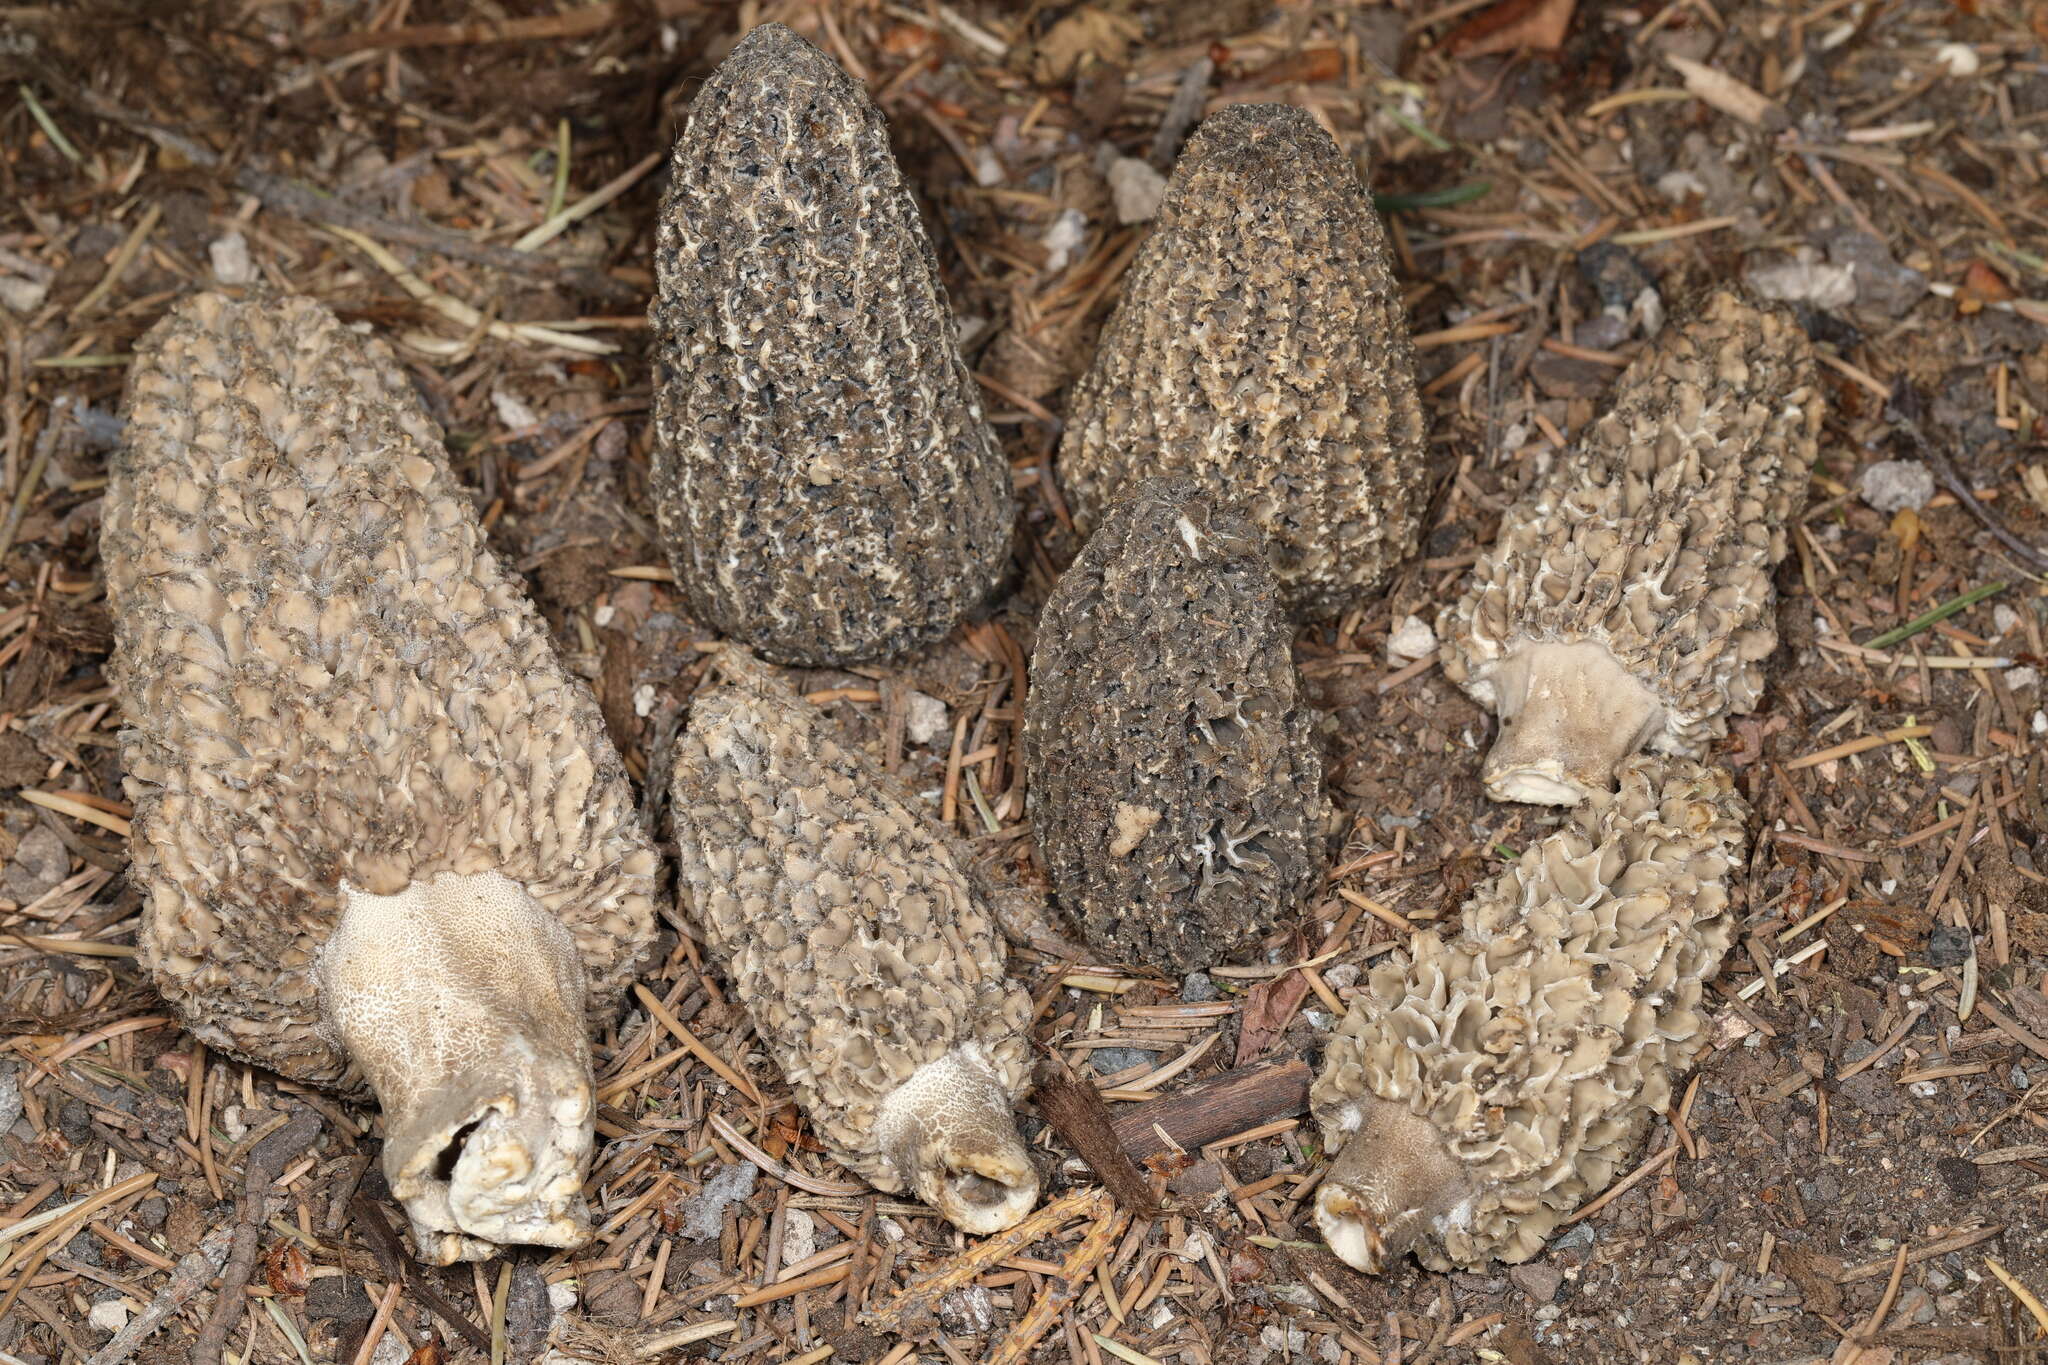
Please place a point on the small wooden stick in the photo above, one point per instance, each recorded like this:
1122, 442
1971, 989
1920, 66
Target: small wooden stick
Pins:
1075, 1110
1218, 1107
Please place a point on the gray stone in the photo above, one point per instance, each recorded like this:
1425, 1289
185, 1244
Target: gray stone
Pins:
1110, 1060
1199, 988
1893, 485
1881, 282
704, 1216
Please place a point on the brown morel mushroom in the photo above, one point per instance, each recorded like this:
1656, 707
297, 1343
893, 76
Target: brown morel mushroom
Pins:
1482, 1088
858, 933
1628, 600
1176, 792
1260, 348
380, 833
828, 488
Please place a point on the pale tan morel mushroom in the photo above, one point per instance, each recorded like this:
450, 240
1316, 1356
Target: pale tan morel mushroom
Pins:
381, 835
861, 939
1627, 601
1481, 1089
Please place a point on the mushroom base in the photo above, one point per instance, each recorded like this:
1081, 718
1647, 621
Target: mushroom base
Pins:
1569, 715
461, 1001
950, 1131
1395, 1182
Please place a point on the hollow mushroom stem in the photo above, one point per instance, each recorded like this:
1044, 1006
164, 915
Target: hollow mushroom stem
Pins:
1393, 1180
952, 1134
1570, 713
461, 1001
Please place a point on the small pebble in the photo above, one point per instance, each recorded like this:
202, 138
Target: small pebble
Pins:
1110, 1060
1199, 988
22, 296
109, 1316
704, 1216
924, 718
799, 1236
229, 256
1894, 485
1137, 190
512, 413
1539, 1280
1068, 231
1412, 639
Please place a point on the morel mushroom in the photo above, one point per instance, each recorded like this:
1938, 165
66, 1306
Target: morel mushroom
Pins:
380, 833
1176, 792
824, 478
1260, 348
859, 935
1480, 1089
1628, 600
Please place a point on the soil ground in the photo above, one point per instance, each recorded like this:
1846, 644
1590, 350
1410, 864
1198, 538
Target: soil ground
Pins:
1858, 1171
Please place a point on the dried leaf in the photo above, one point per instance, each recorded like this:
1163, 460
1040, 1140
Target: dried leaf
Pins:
1513, 26
287, 1270
1268, 1008
1982, 285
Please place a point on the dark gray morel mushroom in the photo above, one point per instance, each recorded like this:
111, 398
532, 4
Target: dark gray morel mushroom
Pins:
1481, 1089
380, 833
826, 483
1176, 792
1260, 348
860, 937
1628, 600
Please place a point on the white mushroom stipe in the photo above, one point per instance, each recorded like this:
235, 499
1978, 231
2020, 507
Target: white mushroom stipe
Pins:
461, 999
1483, 1087
1569, 714
951, 1129
1394, 1182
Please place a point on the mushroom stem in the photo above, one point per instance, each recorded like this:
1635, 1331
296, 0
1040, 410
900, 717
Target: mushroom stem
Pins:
951, 1132
1393, 1180
1569, 714
460, 999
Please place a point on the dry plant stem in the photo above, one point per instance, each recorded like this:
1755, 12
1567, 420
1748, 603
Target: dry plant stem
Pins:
1215, 1108
1903, 411
1077, 1113
187, 1278
265, 1161
1393, 1180
1569, 714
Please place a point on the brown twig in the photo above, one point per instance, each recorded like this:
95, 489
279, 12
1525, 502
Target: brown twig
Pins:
266, 1161
1075, 1110
1218, 1107
189, 1277
1903, 412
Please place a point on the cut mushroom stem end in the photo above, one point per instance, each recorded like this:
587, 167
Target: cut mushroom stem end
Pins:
951, 1132
1570, 714
461, 1001
1392, 1183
